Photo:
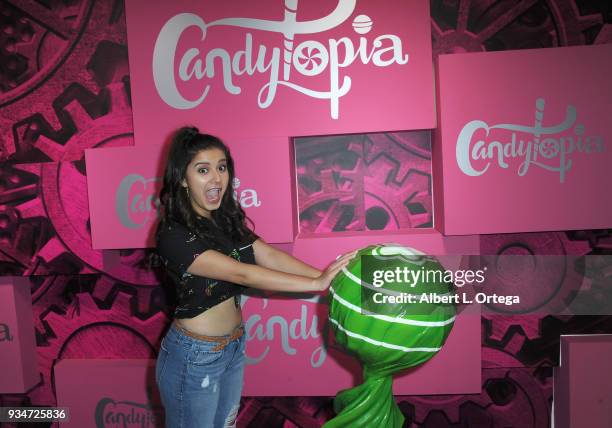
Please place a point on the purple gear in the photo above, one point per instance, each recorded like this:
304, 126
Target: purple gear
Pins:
474, 26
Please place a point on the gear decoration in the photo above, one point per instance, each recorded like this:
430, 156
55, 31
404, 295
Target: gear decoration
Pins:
90, 330
364, 182
510, 397
491, 25
329, 195
303, 412
599, 241
598, 297
559, 283
54, 42
54, 293
541, 282
21, 238
544, 349
61, 205
534, 339
398, 181
62, 200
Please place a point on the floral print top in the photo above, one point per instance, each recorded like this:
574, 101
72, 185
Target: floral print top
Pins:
178, 247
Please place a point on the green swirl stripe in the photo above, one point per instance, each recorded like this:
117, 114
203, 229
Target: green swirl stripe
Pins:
379, 343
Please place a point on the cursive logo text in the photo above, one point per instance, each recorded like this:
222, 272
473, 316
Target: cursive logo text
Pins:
124, 414
308, 58
545, 147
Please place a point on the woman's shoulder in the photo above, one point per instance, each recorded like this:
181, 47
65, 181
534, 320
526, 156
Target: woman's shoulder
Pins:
170, 231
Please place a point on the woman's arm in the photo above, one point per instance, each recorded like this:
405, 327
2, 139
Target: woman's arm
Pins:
271, 258
213, 264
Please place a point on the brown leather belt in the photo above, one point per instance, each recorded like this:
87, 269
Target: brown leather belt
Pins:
222, 341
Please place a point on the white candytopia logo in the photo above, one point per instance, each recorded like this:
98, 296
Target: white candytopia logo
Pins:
247, 197
136, 208
288, 333
308, 58
136, 204
545, 147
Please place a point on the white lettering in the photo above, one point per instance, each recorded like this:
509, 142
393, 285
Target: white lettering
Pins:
309, 58
303, 328
550, 152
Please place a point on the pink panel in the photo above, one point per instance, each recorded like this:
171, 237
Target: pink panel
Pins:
17, 340
285, 334
245, 68
551, 103
108, 392
582, 389
123, 184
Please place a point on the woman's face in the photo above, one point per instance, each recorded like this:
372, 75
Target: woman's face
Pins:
207, 178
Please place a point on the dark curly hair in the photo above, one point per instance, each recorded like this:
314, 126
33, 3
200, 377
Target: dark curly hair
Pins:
186, 143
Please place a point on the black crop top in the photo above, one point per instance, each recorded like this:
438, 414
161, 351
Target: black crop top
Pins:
178, 247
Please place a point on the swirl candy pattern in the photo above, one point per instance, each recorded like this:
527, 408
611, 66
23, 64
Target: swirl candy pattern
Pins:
387, 339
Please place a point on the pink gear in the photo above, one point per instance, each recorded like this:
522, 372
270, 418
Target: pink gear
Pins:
128, 336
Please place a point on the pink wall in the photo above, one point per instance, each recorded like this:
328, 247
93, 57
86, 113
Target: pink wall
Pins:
17, 343
123, 184
557, 101
583, 394
101, 393
333, 63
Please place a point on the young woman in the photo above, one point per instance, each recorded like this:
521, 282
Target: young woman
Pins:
211, 255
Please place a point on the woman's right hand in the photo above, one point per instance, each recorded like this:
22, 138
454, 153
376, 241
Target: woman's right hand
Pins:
324, 280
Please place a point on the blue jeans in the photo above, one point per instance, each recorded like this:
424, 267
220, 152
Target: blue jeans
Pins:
200, 381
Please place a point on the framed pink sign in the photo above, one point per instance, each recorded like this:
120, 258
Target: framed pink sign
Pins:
523, 141
272, 67
123, 185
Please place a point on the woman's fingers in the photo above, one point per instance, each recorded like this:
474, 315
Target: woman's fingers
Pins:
339, 264
342, 261
350, 254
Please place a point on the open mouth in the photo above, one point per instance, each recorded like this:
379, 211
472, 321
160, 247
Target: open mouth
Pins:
213, 195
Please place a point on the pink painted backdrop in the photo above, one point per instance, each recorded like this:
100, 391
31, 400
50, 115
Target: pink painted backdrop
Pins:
552, 100
582, 396
103, 393
18, 357
325, 69
123, 186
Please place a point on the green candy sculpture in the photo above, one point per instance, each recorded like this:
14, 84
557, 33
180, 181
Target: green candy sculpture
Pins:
385, 337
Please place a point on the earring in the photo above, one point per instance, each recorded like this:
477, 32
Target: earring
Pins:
187, 190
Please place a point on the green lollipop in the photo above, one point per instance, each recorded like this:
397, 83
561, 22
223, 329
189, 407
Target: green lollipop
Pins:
389, 335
